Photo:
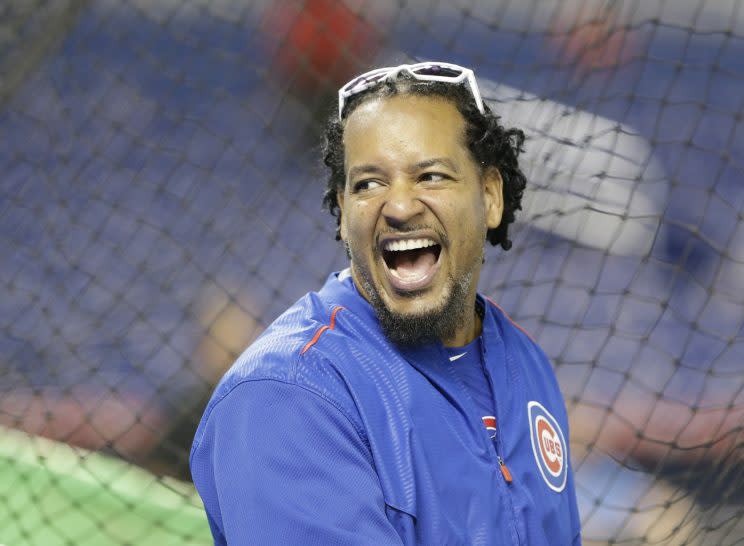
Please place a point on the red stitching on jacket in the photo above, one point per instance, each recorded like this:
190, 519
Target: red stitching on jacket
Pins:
322, 329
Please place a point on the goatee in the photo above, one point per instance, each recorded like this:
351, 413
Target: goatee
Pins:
419, 329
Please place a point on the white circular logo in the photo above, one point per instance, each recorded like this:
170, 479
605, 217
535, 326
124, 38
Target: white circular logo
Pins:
548, 446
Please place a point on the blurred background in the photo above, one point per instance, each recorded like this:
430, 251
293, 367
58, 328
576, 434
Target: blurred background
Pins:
160, 206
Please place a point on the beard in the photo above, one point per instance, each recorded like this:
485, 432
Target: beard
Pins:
419, 329
433, 325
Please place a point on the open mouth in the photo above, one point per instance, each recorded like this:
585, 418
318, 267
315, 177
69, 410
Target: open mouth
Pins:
411, 263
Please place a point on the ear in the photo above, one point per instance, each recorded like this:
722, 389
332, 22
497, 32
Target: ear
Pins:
493, 187
342, 224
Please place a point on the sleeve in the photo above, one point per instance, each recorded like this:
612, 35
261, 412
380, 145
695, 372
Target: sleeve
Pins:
575, 518
571, 484
279, 464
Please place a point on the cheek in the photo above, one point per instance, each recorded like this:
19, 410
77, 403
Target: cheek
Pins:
359, 222
469, 220
478, 215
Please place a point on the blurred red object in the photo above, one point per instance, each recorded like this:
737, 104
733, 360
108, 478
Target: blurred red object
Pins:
93, 419
592, 37
319, 43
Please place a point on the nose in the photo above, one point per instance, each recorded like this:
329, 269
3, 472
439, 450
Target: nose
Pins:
402, 203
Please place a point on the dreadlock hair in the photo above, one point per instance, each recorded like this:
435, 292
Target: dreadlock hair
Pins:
490, 144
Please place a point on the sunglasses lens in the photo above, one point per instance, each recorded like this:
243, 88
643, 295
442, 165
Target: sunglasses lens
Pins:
437, 70
364, 81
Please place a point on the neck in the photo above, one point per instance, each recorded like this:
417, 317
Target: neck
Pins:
471, 328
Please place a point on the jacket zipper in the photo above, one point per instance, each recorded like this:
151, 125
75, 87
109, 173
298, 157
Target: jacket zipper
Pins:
505, 473
504, 469
497, 439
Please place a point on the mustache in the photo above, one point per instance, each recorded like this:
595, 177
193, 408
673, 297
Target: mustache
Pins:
403, 230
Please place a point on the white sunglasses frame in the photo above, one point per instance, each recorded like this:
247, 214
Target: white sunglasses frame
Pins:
373, 77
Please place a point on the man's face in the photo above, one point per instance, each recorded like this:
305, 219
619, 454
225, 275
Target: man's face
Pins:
415, 211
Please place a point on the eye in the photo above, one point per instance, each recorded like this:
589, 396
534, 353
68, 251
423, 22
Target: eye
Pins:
365, 185
434, 177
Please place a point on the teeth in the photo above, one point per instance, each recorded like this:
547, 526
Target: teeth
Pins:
408, 244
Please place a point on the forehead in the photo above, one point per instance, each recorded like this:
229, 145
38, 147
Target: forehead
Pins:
404, 126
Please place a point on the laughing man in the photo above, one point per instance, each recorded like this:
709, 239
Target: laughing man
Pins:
397, 405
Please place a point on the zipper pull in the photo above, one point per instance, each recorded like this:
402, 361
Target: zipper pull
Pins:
505, 470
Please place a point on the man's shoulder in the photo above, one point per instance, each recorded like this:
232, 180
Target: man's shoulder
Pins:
304, 350
507, 327
277, 351
524, 353
301, 347
518, 342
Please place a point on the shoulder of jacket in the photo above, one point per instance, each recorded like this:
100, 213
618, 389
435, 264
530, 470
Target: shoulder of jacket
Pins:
506, 321
287, 341
285, 352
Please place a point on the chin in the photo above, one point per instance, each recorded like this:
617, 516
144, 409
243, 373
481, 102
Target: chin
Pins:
417, 304
420, 322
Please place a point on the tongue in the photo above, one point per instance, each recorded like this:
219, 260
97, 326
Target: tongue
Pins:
413, 264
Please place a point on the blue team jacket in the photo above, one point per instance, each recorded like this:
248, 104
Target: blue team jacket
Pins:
325, 433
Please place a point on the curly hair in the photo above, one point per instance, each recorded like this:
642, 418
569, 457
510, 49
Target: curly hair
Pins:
490, 144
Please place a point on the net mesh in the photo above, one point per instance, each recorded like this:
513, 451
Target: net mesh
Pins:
160, 205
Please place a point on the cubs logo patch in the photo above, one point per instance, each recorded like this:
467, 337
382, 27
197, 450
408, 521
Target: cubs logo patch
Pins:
548, 446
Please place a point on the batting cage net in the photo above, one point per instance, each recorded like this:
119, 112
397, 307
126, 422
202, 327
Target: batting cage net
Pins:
160, 205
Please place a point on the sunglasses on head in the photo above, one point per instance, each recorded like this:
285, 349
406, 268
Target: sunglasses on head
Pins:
429, 71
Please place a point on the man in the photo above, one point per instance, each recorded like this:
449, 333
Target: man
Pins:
396, 405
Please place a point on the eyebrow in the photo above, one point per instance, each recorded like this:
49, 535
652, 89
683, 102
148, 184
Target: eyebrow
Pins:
445, 161
421, 165
365, 169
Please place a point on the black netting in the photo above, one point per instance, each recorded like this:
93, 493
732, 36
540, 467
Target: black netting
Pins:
160, 205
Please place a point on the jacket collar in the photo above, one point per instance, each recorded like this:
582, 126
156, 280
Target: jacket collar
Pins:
339, 289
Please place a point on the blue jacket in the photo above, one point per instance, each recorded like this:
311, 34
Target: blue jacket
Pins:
325, 433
